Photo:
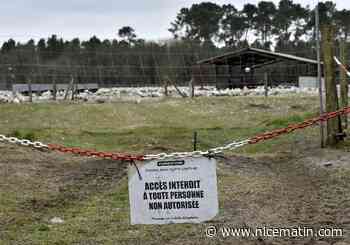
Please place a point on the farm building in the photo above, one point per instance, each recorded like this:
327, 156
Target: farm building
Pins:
251, 67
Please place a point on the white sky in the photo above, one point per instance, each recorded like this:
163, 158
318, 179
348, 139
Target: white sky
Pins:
25, 19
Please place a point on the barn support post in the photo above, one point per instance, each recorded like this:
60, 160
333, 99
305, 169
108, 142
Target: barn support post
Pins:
333, 125
344, 86
266, 83
217, 77
213, 73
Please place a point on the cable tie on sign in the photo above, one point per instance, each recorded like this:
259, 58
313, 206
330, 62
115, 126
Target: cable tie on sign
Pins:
132, 162
215, 155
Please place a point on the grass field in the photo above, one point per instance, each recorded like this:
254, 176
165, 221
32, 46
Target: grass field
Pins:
145, 127
281, 181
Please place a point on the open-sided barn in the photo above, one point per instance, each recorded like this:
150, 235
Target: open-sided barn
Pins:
252, 67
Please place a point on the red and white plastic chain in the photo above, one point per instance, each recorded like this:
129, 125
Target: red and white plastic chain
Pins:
23, 142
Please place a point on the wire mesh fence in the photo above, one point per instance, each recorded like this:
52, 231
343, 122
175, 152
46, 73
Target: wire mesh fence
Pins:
138, 67
150, 75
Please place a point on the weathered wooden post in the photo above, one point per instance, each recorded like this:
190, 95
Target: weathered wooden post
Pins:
191, 87
13, 80
69, 87
344, 87
29, 83
166, 84
73, 87
54, 86
333, 125
9, 79
177, 89
266, 84
195, 140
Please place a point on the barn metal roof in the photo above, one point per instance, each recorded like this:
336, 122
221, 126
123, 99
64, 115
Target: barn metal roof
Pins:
253, 56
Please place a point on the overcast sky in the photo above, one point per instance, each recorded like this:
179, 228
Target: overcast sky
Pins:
25, 19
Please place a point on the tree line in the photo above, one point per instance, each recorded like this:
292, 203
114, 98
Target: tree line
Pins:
199, 31
287, 26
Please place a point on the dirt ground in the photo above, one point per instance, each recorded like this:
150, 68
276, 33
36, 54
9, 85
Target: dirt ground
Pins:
288, 189
37, 183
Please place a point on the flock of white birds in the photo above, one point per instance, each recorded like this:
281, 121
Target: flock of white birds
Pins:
138, 93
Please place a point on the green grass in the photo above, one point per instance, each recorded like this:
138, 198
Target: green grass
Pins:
24, 134
283, 122
152, 125
149, 127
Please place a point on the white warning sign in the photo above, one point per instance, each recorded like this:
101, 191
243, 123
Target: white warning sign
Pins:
173, 191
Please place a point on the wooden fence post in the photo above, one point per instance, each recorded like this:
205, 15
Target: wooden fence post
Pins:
333, 125
69, 87
29, 83
266, 84
54, 87
344, 89
191, 87
73, 87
